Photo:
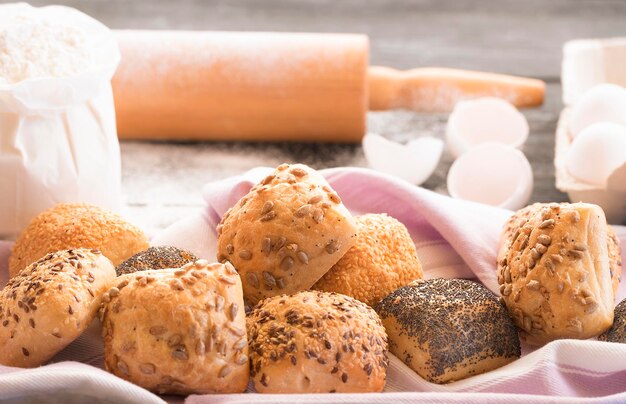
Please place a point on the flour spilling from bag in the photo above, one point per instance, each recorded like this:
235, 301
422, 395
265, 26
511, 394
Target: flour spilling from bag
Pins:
58, 141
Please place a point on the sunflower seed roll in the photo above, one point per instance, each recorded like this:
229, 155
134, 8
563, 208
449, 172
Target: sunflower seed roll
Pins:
287, 232
555, 271
178, 331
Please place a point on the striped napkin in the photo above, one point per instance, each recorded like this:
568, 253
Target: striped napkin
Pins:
453, 238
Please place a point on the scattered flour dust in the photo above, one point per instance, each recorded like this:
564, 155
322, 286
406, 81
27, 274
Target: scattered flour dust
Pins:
32, 46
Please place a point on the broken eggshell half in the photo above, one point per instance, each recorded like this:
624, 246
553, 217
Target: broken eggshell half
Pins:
494, 174
483, 120
414, 162
597, 153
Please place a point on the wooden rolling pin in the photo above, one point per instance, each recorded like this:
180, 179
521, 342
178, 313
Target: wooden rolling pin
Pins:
270, 86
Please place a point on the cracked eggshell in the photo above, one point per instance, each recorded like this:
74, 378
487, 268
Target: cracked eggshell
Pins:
414, 162
597, 153
485, 120
494, 174
602, 103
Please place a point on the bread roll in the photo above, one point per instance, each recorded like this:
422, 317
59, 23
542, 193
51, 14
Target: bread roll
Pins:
286, 233
554, 272
448, 329
76, 225
519, 219
316, 342
617, 332
382, 260
159, 257
178, 331
49, 304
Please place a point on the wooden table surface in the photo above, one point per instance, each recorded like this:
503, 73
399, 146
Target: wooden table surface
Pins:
162, 181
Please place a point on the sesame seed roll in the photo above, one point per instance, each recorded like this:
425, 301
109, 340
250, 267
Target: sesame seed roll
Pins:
382, 260
76, 225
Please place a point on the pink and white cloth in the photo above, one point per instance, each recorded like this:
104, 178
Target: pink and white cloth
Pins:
453, 238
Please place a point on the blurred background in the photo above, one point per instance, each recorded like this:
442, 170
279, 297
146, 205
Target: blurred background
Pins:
162, 180
517, 37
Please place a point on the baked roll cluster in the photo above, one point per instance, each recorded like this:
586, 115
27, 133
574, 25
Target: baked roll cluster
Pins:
176, 325
312, 272
60, 267
291, 232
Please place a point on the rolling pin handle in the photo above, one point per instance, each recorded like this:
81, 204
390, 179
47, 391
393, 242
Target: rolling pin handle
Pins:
439, 89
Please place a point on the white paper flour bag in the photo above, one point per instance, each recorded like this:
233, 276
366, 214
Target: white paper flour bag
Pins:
58, 141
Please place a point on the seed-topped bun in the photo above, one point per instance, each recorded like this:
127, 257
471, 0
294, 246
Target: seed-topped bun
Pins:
159, 257
316, 342
554, 270
448, 329
178, 331
286, 233
522, 216
50, 304
617, 332
382, 260
76, 225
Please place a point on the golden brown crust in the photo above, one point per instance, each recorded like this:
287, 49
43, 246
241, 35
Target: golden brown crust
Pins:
76, 225
50, 304
382, 260
286, 233
615, 258
448, 329
178, 331
521, 217
517, 221
316, 342
554, 272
